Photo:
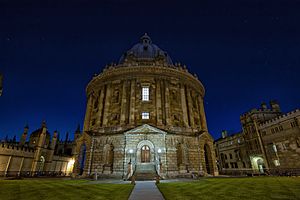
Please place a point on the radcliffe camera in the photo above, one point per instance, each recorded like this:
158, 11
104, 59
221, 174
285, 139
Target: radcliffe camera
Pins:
149, 100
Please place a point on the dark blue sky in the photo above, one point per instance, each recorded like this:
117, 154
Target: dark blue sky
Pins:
244, 52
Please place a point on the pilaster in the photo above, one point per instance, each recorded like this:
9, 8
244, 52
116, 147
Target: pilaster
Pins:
132, 102
202, 114
88, 113
158, 104
107, 105
184, 107
190, 108
123, 104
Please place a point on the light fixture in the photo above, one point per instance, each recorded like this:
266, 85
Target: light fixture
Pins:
159, 151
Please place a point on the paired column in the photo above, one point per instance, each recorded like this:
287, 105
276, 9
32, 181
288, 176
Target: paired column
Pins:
167, 104
100, 107
158, 103
88, 112
202, 113
190, 108
184, 107
123, 104
132, 103
107, 105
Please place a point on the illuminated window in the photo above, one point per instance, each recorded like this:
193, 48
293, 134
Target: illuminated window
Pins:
145, 93
145, 115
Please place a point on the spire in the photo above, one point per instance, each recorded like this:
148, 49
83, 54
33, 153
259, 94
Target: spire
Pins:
44, 124
55, 134
67, 137
26, 128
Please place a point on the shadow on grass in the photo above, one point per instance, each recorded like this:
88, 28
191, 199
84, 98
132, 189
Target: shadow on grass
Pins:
262, 188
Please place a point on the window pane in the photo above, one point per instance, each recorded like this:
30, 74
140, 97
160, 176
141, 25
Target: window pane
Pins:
145, 115
145, 94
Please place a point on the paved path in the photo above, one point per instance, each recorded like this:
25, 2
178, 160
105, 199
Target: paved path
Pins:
145, 190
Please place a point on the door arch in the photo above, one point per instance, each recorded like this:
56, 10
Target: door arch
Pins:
41, 163
145, 154
82, 157
208, 159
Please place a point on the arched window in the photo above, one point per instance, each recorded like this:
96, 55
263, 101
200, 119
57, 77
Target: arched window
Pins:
145, 154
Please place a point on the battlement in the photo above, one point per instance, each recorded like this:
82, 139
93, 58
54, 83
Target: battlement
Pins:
256, 110
281, 118
274, 108
15, 147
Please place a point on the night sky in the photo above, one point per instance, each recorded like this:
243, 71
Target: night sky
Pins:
244, 52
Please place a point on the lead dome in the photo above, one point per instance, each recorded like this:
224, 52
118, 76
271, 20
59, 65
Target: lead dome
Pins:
145, 50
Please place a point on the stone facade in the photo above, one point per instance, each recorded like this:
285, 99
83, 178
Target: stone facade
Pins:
269, 140
38, 156
145, 101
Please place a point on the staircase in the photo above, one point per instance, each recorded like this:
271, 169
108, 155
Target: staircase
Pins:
145, 172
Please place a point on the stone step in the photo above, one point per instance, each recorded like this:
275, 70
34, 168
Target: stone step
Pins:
145, 176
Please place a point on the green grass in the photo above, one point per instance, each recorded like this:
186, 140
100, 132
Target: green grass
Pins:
61, 189
261, 188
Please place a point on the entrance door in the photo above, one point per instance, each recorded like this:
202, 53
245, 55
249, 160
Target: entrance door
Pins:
145, 154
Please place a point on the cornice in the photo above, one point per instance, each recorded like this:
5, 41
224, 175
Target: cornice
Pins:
129, 72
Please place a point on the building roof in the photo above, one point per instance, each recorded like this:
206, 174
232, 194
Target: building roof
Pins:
145, 50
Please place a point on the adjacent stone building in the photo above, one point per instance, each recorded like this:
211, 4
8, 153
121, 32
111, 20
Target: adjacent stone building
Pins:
41, 155
269, 140
145, 115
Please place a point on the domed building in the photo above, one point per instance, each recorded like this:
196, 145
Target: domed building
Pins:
145, 117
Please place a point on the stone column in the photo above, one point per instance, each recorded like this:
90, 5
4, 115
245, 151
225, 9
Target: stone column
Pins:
190, 108
202, 114
107, 105
89, 171
123, 104
158, 103
167, 104
184, 107
99, 120
132, 103
89, 108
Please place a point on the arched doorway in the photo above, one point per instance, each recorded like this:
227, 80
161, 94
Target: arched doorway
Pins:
81, 159
260, 165
145, 154
208, 159
41, 164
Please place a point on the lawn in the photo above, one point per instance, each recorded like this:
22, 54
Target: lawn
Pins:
61, 189
261, 188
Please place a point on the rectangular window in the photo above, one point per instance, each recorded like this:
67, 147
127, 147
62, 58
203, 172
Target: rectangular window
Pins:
145, 115
145, 93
